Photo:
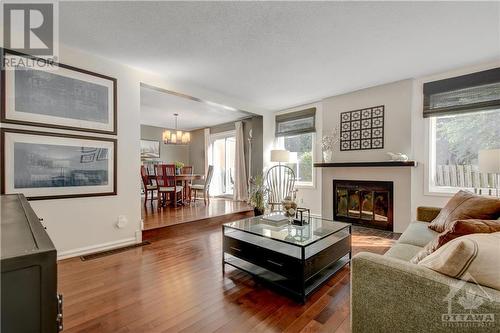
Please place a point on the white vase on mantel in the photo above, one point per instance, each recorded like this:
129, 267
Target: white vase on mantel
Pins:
328, 156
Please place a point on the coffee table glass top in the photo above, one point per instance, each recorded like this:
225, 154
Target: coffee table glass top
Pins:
298, 235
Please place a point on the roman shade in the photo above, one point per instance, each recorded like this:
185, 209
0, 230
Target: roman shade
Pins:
462, 94
294, 123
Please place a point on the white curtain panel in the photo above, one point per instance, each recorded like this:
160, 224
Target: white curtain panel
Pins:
240, 191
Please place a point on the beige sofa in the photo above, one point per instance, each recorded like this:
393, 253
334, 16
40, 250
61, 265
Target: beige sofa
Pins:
390, 294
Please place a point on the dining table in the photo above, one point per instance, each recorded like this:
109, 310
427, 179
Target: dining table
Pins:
184, 178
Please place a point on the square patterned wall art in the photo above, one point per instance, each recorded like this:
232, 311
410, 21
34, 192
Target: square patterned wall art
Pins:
362, 129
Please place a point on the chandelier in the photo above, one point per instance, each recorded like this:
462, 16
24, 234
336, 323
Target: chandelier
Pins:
176, 137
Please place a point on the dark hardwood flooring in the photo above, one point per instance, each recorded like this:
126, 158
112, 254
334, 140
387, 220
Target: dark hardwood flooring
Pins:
194, 211
176, 284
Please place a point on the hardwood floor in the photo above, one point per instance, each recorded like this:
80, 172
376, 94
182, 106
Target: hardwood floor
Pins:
176, 285
192, 212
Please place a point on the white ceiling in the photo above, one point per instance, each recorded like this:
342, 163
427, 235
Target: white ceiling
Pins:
158, 108
273, 55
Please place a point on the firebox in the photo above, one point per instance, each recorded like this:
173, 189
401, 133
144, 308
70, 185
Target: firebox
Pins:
366, 203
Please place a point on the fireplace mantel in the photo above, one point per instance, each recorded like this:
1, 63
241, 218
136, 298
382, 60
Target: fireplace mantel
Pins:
366, 164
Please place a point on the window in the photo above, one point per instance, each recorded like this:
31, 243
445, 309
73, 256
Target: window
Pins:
296, 133
464, 114
455, 142
301, 156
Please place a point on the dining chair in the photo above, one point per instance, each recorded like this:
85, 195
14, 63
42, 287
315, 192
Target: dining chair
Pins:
148, 185
187, 170
205, 188
280, 181
167, 185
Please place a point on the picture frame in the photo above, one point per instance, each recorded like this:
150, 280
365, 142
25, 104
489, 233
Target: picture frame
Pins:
54, 166
64, 97
150, 149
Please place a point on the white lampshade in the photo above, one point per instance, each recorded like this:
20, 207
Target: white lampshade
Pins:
280, 155
185, 138
489, 161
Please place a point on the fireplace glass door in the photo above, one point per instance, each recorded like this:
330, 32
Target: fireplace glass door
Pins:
368, 203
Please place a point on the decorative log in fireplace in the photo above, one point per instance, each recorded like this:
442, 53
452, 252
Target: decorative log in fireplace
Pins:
367, 203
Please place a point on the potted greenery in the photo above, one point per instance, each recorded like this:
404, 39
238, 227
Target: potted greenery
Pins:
178, 167
257, 195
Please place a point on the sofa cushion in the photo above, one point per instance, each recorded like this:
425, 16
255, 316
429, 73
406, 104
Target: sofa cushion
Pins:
465, 205
417, 234
403, 251
457, 229
470, 258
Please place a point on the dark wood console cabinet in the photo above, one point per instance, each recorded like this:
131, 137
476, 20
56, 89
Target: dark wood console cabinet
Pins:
28, 260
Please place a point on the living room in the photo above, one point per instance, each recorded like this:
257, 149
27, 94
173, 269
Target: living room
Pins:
373, 173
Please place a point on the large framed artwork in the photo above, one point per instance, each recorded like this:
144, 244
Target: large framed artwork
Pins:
362, 129
50, 166
150, 149
61, 96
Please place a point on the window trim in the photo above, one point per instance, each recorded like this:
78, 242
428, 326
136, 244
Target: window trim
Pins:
304, 185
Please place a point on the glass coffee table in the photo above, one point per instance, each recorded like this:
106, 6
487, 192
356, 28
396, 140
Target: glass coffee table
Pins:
296, 259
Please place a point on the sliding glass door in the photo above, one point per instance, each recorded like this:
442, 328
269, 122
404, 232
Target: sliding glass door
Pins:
222, 158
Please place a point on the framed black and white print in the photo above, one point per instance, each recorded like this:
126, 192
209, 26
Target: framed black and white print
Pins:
51, 166
362, 129
58, 96
150, 149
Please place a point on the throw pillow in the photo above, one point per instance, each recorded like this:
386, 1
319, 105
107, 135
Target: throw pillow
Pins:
465, 205
471, 258
457, 229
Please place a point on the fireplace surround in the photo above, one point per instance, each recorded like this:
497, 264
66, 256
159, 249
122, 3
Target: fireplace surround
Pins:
365, 203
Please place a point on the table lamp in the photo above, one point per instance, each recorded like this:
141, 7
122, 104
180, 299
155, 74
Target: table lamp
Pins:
489, 162
280, 155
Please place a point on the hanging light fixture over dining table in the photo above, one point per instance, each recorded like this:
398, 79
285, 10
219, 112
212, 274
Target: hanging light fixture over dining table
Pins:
176, 137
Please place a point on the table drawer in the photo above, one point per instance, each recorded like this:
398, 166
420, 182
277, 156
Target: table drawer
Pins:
327, 256
274, 261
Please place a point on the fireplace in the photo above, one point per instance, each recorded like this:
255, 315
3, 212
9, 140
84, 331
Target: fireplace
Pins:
366, 203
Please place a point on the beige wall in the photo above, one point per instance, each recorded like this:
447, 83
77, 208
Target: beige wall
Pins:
197, 151
396, 97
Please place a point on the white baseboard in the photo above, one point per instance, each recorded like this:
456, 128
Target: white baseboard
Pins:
95, 248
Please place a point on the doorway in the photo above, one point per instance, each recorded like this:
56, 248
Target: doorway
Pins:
222, 157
